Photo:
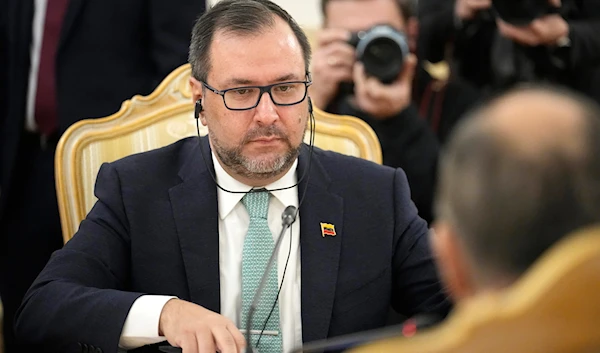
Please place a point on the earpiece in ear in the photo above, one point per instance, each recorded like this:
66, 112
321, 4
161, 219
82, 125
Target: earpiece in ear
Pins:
310, 108
198, 109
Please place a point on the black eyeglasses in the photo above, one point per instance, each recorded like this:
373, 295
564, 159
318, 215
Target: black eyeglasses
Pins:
248, 97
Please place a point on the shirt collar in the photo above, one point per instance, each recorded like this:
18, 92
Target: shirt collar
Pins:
227, 201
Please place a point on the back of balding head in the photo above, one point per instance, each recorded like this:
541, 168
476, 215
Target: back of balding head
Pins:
519, 174
532, 122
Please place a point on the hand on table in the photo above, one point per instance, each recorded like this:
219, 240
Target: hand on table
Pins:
199, 330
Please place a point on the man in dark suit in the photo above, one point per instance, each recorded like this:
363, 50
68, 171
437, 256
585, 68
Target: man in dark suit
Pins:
66, 61
176, 245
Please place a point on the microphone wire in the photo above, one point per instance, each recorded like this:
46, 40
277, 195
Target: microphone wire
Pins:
312, 127
304, 174
278, 291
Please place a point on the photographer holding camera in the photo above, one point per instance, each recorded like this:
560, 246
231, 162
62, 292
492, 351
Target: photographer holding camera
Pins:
498, 43
364, 66
381, 96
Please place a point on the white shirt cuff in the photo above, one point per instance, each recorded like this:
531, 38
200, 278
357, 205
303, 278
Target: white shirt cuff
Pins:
141, 324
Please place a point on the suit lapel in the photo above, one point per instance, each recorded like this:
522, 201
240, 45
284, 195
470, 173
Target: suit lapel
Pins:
73, 11
194, 204
319, 254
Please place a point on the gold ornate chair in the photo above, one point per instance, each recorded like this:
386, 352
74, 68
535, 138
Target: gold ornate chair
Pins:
553, 308
163, 117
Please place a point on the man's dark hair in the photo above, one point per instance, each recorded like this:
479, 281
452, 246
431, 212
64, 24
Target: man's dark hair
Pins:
509, 207
241, 17
406, 8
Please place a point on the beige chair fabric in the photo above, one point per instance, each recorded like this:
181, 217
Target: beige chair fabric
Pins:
150, 122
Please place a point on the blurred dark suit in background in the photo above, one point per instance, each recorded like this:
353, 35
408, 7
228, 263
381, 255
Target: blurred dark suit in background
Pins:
104, 52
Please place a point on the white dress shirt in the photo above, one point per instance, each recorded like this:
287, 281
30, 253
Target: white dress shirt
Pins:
141, 325
37, 34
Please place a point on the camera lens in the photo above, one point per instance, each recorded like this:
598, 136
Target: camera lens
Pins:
382, 50
383, 58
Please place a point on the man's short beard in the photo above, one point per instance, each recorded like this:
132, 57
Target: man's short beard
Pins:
256, 169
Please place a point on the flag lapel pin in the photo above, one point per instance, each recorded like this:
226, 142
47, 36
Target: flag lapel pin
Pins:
327, 229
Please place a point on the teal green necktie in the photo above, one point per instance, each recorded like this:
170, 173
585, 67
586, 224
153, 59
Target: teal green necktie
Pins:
258, 247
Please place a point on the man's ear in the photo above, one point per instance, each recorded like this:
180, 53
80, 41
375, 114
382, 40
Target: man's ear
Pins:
197, 95
412, 31
452, 262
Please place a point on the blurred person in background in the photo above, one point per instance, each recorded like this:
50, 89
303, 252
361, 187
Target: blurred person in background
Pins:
498, 43
3, 62
517, 177
67, 60
364, 66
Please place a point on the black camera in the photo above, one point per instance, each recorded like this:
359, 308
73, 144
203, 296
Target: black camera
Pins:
382, 50
522, 12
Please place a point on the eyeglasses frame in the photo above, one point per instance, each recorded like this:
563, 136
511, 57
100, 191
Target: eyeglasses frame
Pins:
263, 90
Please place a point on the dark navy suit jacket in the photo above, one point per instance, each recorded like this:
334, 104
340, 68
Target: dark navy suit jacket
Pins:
154, 230
109, 50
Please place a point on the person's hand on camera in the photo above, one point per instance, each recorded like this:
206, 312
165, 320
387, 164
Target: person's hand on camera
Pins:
198, 330
383, 101
466, 10
546, 30
332, 64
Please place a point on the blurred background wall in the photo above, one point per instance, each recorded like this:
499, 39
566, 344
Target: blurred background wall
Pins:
306, 12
